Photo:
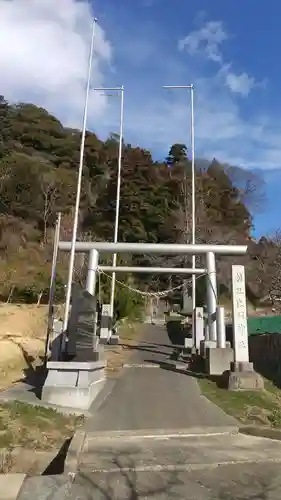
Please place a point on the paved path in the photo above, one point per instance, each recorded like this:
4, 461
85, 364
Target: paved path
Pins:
207, 467
151, 397
156, 437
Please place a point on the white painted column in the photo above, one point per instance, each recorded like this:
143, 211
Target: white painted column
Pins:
198, 320
211, 294
221, 336
239, 315
92, 272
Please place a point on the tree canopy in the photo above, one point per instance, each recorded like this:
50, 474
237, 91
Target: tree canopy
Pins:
38, 175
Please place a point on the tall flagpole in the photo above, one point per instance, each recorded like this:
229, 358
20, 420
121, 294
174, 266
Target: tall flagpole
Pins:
193, 198
79, 182
117, 209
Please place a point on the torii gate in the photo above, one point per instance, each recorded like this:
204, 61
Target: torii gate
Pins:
209, 251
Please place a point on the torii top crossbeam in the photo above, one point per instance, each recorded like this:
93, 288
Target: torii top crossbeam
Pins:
152, 248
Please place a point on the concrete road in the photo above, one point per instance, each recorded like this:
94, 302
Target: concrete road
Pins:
156, 437
148, 396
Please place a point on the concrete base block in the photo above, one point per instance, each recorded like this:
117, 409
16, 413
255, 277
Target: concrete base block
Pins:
204, 344
244, 378
104, 340
73, 384
218, 360
114, 340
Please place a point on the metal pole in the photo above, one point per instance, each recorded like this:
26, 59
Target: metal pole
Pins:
193, 196
154, 248
221, 339
92, 272
211, 294
151, 270
193, 230
79, 182
52, 285
117, 209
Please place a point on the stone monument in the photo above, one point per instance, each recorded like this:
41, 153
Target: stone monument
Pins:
82, 341
77, 380
242, 375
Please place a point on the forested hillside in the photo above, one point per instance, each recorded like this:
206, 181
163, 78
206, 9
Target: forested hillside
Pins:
38, 174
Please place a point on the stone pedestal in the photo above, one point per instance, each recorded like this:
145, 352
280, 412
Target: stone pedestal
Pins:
242, 377
218, 360
206, 344
114, 339
73, 384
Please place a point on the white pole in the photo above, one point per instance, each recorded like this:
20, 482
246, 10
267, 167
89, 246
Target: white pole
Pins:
79, 182
221, 336
193, 229
117, 209
154, 248
211, 294
52, 284
193, 195
92, 272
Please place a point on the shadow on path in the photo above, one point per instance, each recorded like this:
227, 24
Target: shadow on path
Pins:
122, 479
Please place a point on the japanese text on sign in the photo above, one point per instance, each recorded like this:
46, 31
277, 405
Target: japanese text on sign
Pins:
240, 327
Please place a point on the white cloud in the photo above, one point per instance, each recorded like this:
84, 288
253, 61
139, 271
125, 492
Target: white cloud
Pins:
238, 84
44, 49
207, 42
221, 129
241, 84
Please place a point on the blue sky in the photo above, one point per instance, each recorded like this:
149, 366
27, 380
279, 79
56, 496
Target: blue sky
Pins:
227, 49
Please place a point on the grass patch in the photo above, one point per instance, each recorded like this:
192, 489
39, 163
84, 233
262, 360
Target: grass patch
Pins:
249, 407
34, 427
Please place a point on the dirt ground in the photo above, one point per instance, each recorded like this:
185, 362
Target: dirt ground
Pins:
22, 337
129, 334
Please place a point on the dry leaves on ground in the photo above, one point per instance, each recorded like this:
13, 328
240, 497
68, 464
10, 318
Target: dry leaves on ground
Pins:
130, 335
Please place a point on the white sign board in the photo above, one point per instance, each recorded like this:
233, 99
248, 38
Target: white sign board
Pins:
239, 315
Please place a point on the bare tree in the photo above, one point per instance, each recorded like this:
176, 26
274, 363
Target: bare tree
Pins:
268, 269
250, 186
49, 193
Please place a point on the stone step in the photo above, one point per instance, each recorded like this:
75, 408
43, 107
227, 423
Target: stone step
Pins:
193, 446
207, 462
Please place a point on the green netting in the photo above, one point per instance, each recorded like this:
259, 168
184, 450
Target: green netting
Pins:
264, 324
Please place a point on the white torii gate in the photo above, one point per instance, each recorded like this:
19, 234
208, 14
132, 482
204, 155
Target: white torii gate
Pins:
210, 251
